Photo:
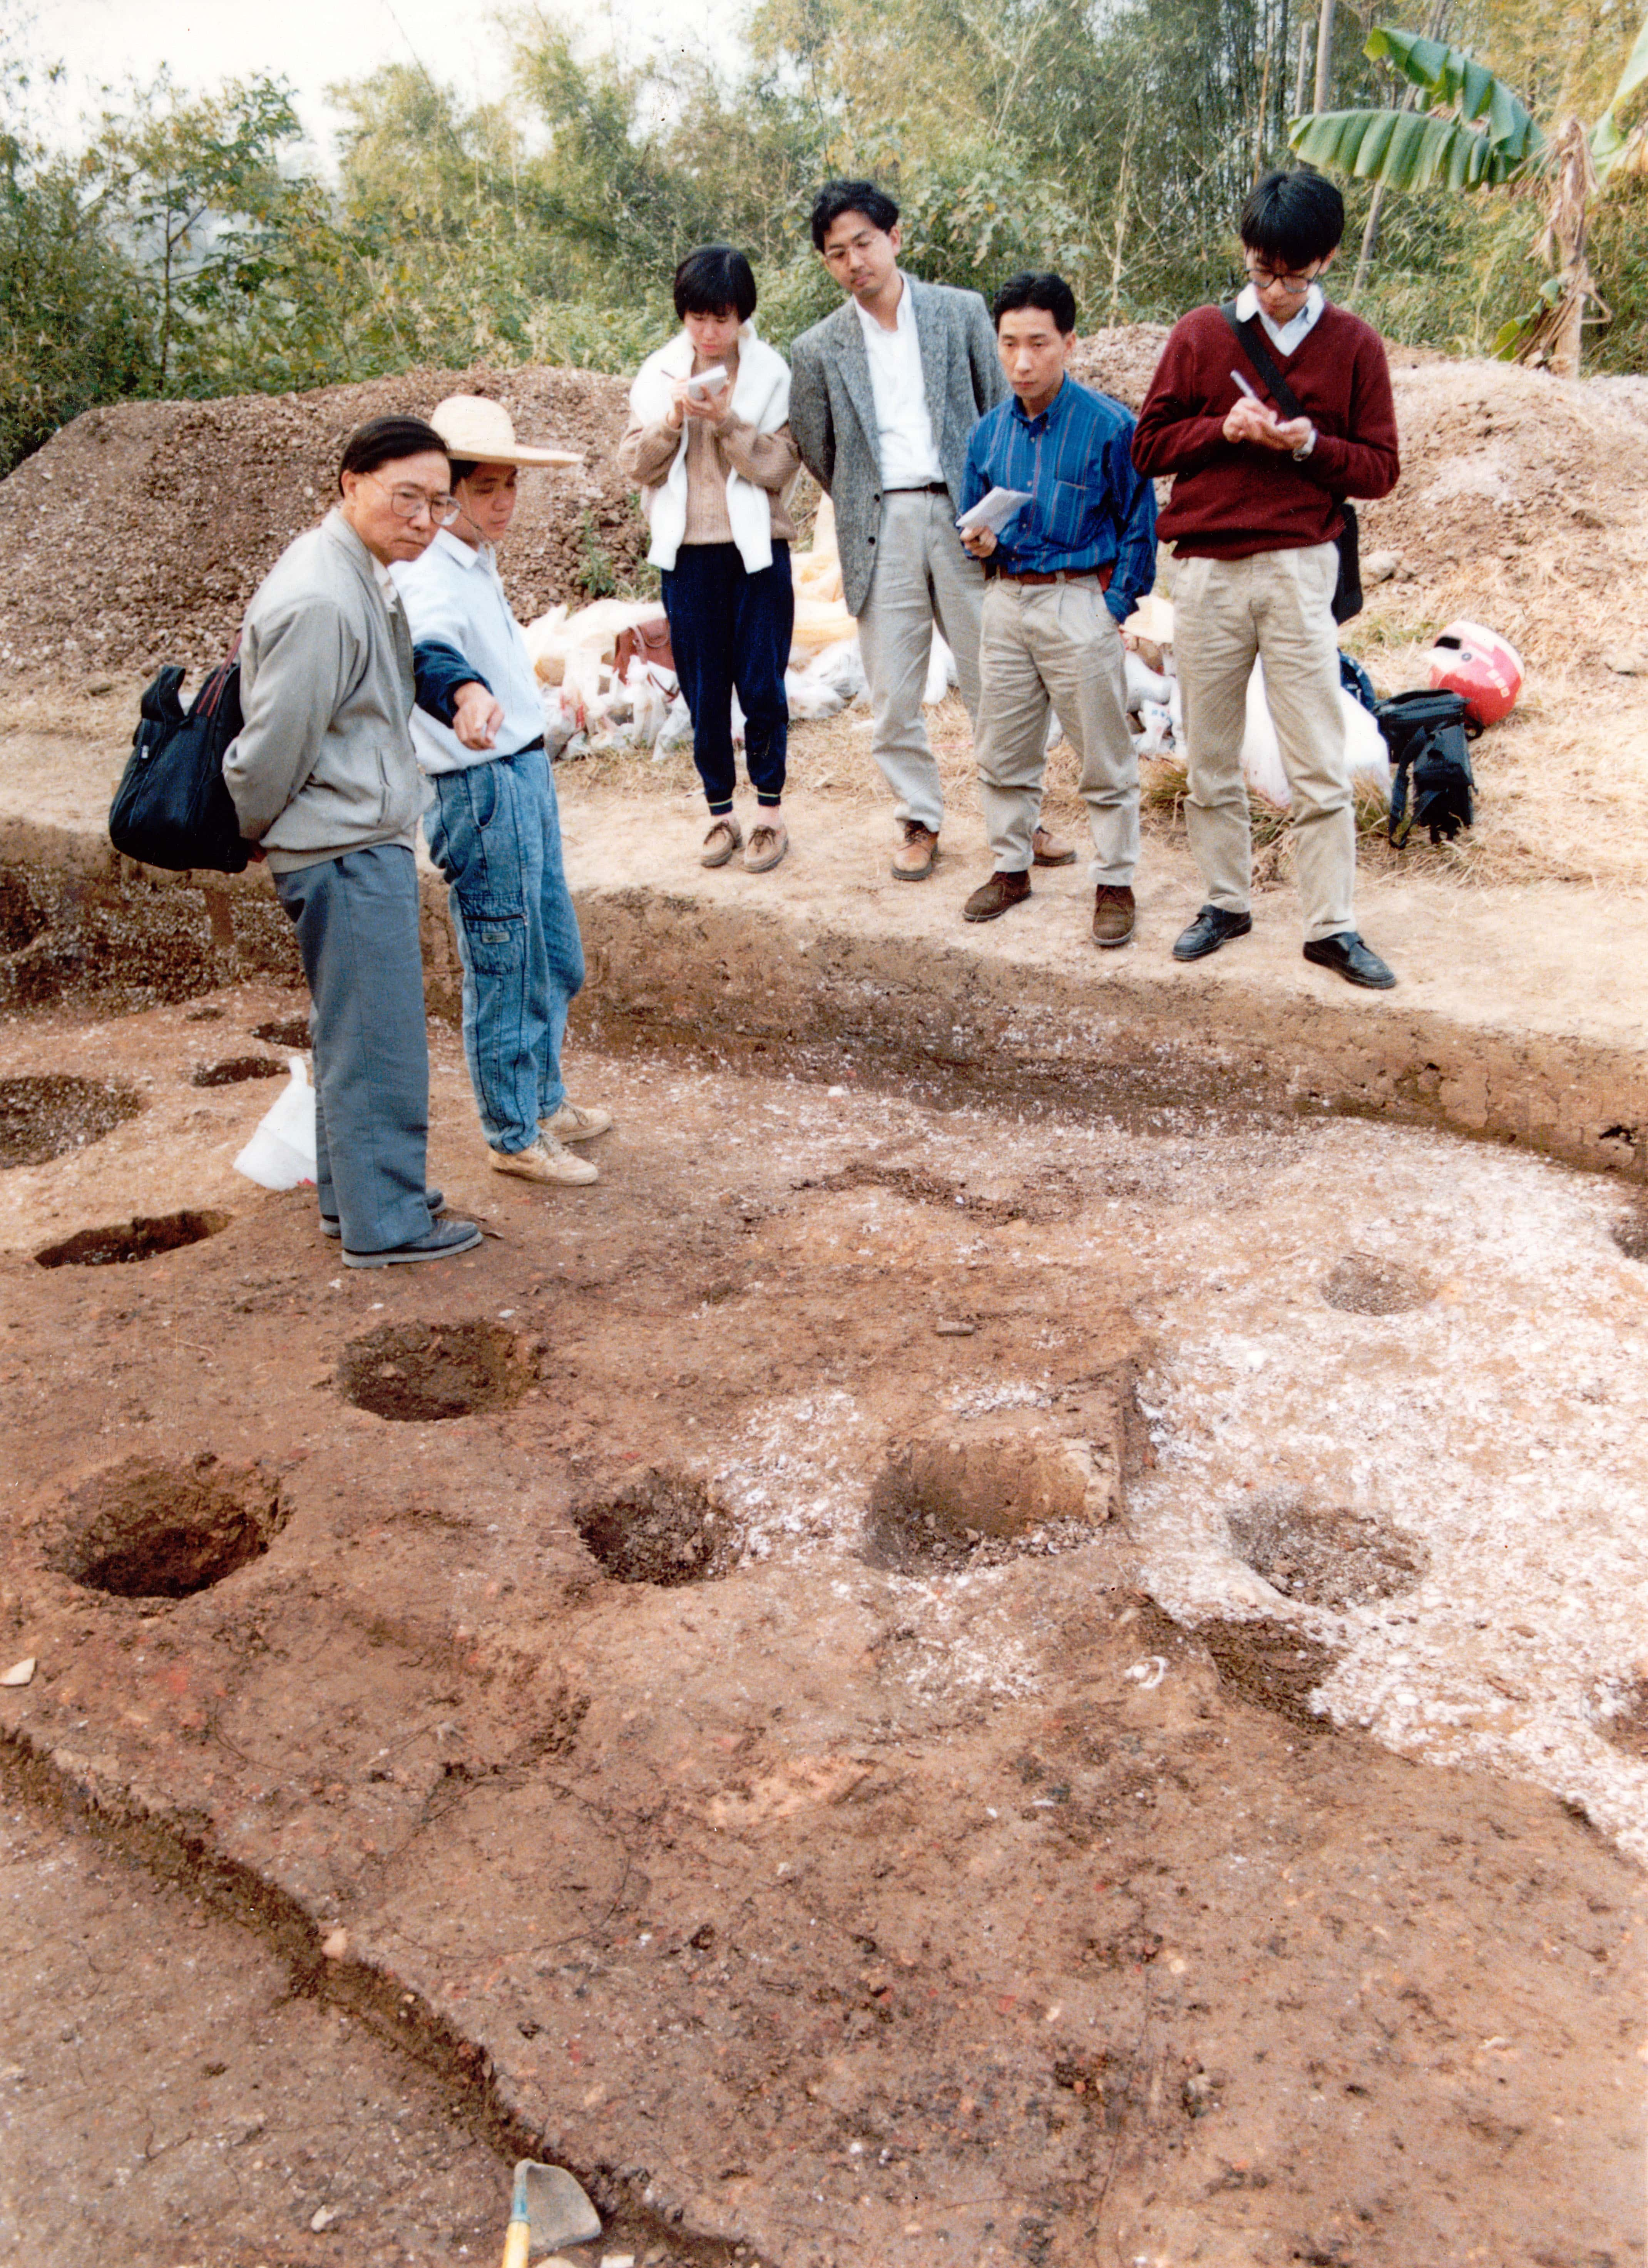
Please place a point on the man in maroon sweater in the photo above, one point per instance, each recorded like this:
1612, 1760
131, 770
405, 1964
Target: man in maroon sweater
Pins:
1255, 513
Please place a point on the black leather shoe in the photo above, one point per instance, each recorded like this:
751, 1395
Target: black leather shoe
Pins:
1347, 956
1212, 928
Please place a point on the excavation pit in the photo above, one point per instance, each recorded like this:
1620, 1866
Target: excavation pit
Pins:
125, 1242
1334, 1558
1363, 1284
234, 1069
43, 1116
283, 1032
425, 1373
1619, 1711
152, 1531
939, 1504
661, 1527
1273, 1665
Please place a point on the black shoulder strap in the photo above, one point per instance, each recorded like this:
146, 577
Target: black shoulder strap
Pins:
1253, 345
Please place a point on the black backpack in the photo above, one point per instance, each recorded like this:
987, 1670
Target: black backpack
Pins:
1426, 734
171, 808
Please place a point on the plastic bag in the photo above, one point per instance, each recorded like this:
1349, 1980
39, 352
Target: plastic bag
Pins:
282, 1152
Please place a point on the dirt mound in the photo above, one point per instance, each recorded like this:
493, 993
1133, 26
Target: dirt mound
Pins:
1523, 501
139, 533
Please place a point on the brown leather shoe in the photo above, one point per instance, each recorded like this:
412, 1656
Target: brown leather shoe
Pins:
995, 896
913, 860
1113, 914
1049, 850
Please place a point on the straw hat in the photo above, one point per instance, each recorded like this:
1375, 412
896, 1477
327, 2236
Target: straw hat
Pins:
480, 432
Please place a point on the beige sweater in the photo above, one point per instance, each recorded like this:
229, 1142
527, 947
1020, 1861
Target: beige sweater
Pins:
771, 460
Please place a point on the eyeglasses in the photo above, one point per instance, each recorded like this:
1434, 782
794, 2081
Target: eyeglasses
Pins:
1264, 278
408, 502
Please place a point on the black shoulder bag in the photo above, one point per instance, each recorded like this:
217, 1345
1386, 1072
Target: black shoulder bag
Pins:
171, 808
1347, 598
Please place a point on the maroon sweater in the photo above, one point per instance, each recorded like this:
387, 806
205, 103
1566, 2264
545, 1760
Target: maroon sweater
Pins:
1232, 499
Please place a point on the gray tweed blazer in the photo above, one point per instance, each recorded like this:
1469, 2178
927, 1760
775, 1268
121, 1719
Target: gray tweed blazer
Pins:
832, 409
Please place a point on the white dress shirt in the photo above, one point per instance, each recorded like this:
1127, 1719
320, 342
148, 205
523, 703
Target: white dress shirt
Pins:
455, 594
1288, 336
904, 434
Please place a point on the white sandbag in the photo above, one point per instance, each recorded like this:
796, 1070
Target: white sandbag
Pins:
677, 728
282, 1151
941, 672
1143, 684
1156, 738
1262, 757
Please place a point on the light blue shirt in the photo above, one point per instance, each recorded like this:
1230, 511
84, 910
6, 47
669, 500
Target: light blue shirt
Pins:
456, 595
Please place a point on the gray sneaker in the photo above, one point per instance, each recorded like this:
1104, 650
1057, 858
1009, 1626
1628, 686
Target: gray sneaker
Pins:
443, 1241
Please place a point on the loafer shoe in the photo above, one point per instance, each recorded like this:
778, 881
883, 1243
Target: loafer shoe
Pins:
724, 838
1049, 849
331, 1225
913, 860
993, 898
1212, 928
545, 1160
766, 847
1347, 956
1114, 914
576, 1122
444, 1240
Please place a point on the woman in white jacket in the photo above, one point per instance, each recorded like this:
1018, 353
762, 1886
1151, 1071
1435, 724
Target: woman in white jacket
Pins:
714, 464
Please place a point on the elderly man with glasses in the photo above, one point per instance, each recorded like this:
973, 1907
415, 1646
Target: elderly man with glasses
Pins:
1259, 488
325, 780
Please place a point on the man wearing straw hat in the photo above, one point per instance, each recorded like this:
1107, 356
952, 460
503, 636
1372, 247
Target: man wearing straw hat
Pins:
494, 829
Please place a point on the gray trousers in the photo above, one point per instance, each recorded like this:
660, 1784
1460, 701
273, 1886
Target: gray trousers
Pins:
356, 919
1277, 604
1056, 646
922, 575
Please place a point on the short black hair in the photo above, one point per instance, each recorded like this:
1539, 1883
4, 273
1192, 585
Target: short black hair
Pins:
838, 197
462, 467
1049, 293
381, 440
712, 279
1294, 219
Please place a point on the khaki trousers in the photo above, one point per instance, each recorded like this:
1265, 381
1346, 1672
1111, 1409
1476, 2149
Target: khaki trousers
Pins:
1277, 605
1054, 647
922, 575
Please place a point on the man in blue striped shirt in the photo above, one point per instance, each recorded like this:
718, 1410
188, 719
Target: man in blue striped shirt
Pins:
1066, 570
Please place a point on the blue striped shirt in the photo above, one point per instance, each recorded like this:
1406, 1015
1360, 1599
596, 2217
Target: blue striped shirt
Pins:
1088, 507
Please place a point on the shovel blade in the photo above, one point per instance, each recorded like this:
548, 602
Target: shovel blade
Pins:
557, 2211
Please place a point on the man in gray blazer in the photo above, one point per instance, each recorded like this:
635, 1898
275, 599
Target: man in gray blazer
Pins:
883, 396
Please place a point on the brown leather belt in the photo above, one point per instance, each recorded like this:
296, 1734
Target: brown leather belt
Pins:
1100, 574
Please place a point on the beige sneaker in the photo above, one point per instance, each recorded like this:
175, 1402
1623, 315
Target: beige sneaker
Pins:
766, 847
544, 1161
722, 841
574, 1123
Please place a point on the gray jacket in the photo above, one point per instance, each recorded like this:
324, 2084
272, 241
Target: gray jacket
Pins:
832, 409
324, 762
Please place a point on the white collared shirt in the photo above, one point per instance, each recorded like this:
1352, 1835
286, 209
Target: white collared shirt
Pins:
904, 434
456, 595
1291, 335
384, 581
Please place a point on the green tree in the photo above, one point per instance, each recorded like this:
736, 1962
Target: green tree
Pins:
1475, 133
200, 188
72, 330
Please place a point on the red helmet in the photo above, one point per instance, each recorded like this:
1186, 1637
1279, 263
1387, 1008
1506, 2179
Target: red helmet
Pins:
1484, 669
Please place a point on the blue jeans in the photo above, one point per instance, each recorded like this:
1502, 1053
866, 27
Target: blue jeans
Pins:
494, 832
729, 629
356, 919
